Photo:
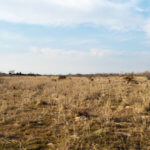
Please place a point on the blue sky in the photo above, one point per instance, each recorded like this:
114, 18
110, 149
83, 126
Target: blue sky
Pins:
74, 36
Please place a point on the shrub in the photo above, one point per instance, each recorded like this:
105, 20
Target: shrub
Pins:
90, 77
147, 75
61, 77
131, 78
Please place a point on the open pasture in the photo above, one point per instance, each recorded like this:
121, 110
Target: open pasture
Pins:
74, 113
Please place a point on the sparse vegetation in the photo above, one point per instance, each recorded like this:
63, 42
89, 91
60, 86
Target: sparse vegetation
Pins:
147, 74
74, 113
131, 79
61, 77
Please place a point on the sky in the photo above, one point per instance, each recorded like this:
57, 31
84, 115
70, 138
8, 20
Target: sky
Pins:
74, 36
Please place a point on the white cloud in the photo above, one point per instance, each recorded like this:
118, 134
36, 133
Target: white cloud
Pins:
105, 52
147, 29
115, 15
144, 53
55, 61
49, 60
33, 49
58, 53
10, 36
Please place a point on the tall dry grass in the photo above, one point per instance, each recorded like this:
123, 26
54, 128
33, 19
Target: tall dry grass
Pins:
76, 113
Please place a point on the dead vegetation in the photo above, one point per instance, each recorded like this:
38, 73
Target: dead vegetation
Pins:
74, 113
61, 77
147, 74
131, 79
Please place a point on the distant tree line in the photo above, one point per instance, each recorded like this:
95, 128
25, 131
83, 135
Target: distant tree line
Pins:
28, 74
12, 73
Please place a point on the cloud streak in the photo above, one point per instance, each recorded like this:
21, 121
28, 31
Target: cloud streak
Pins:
113, 14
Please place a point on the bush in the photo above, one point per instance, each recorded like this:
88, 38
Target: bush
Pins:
61, 77
131, 78
147, 74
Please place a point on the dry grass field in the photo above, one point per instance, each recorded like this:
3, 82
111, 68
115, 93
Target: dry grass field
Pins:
74, 113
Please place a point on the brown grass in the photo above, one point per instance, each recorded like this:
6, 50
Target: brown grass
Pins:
76, 113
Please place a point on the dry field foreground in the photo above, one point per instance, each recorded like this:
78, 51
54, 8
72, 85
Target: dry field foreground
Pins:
76, 113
